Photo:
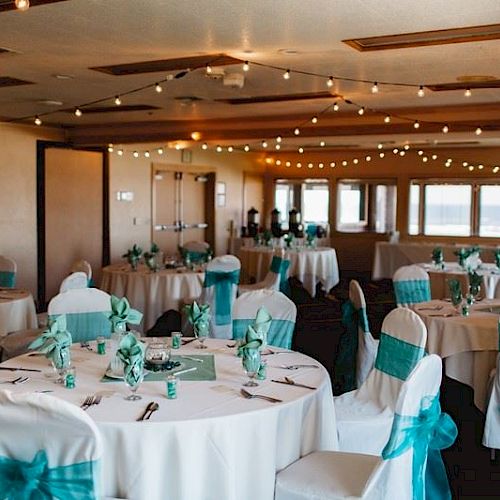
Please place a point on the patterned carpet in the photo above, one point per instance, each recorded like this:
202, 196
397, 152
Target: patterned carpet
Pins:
318, 333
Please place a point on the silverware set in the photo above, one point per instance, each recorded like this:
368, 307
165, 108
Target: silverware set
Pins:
18, 380
17, 369
248, 395
296, 367
89, 401
150, 409
188, 341
271, 352
430, 308
289, 381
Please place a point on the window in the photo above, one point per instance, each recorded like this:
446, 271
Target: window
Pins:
454, 208
315, 197
366, 206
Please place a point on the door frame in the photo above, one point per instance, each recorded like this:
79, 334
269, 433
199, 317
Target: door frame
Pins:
41, 147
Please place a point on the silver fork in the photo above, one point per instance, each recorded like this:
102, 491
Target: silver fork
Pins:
296, 367
247, 395
18, 380
87, 402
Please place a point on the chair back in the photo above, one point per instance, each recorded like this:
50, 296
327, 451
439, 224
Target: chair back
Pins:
279, 274
222, 276
411, 285
491, 435
84, 267
48, 448
74, 281
87, 312
282, 310
8, 270
402, 345
196, 250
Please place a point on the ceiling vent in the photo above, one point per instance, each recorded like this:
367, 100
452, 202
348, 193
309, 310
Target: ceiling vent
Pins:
165, 65
423, 38
278, 98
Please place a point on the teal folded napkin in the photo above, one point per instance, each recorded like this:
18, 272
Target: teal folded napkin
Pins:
437, 255
133, 255
122, 313
55, 343
455, 291
496, 253
249, 350
199, 317
262, 324
475, 282
131, 353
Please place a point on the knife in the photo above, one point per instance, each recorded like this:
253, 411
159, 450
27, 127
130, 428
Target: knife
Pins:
146, 411
296, 384
188, 341
18, 369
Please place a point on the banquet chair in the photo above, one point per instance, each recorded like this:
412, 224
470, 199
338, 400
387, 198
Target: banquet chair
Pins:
364, 416
275, 279
410, 466
355, 320
8, 270
282, 310
87, 312
411, 285
84, 267
222, 276
74, 281
48, 449
197, 251
491, 435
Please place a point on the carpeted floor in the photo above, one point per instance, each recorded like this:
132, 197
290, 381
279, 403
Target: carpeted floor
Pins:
318, 332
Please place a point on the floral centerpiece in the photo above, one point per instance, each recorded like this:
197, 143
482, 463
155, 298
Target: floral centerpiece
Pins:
133, 256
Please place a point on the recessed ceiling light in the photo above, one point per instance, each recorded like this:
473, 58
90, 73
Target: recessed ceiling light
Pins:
248, 51
63, 77
50, 102
288, 52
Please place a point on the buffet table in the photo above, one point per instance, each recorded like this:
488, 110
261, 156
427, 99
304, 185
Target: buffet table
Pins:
468, 345
210, 443
152, 293
309, 265
17, 311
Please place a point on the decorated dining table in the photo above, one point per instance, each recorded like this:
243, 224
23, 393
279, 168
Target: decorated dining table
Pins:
466, 337
200, 441
310, 265
17, 310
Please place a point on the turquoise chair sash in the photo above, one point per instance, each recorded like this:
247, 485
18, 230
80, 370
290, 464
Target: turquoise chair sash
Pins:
412, 291
397, 357
280, 266
36, 481
223, 282
427, 433
7, 279
87, 326
280, 332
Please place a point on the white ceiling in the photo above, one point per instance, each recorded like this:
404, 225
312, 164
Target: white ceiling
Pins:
69, 37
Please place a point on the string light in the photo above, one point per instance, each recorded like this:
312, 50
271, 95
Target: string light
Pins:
279, 138
78, 112
301, 150
332, 164
421, 91
310, 165
299, 165
380, 145
355, 161
110, 148
230, 149
118, 101
286, 74
361, 111
146, 154
480, 166
424, 159
375, 88
395, 151
416, 124
246, 66
495, 169
382, 154
420, 152
204, 146
406, 147
402, 152
38, 121
465, 163
22, 4
322, 144
246, 148
471, 168
264, 144
467, 92
218, 149
278, 146
314, 119
278, 162
208, 69
329, 82
344, 163
158, 88
434, 157
335, 106
160, 151
120, 152
368, 158
479, 131
296, 131
288, 164
445, 129
135, 154
387, 119
320, 165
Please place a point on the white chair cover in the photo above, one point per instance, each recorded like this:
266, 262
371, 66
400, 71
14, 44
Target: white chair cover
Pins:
8, 271
87, 312
411, 285
282, 310
222, 276
332, 475
74, 281
48, 428
367, 345
491, 435
84, 267
274, 278
364, 416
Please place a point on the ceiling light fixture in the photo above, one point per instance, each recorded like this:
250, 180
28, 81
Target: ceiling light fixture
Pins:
286, 74
118, 101
314, 119
329, 82
246, 66
158, 88
467, 92
38, 121
375, 88
361, 111
335, 106
387, 119
421, 91
78, 112
445, 129
479, 131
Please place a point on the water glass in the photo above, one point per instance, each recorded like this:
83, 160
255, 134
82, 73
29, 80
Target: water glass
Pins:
201, 334
133, 382
251, 363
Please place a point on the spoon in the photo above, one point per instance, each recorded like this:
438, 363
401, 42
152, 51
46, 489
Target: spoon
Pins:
152, 409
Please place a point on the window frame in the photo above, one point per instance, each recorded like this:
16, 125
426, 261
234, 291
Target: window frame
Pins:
475, 206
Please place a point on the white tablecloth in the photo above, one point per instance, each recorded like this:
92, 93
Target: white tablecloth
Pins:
391, 256
439, 278
17, 311
210, 443
468, 344
152, 293
310, 266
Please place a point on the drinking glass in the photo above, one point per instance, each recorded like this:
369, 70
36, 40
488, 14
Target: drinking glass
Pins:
133, 383
201, 333
251, 363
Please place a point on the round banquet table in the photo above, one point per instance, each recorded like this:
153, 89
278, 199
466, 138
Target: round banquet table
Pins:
468, 345
17, 311
152, 293
439, 278
309, 265
210, 443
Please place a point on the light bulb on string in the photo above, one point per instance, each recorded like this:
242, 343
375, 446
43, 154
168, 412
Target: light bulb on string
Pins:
402, 152
382, 154
395, 151
208, 69
218, 149
286, 74
335, 106
332, 164
264, 144
374, 88
246, 66
387, 119
321, 165
434, 157
420, 152
22, 4
471, 168
416, 124
345, 163
314, 119
465, 164
78, 112
495, 169
380, 145
146, 154
288, 164
479, 131
38, 121
310, 165
135, 154
230, 149
406, 147
368, 158
118, 100
467, 92
421, 91
160, 151
361, 111
424, 159
277, 146
445, 129
204, 146
322, 144
355, 161
110, 148
246, 148
301, 150
296, 131
299, 165
329, 82
480, 166
278, 163
120, 152
279, 138
158, 88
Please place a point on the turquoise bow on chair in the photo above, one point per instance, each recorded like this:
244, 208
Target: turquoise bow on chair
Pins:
427, 433
35, 480
223, 282
280, 266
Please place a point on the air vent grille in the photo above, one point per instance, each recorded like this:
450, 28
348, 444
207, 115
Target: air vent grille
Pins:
278, 98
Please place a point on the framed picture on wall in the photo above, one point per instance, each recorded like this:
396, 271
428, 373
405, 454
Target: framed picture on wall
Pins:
220, 194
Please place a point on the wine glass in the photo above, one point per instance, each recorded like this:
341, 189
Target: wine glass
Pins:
201, 333
133, 381
251, 363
